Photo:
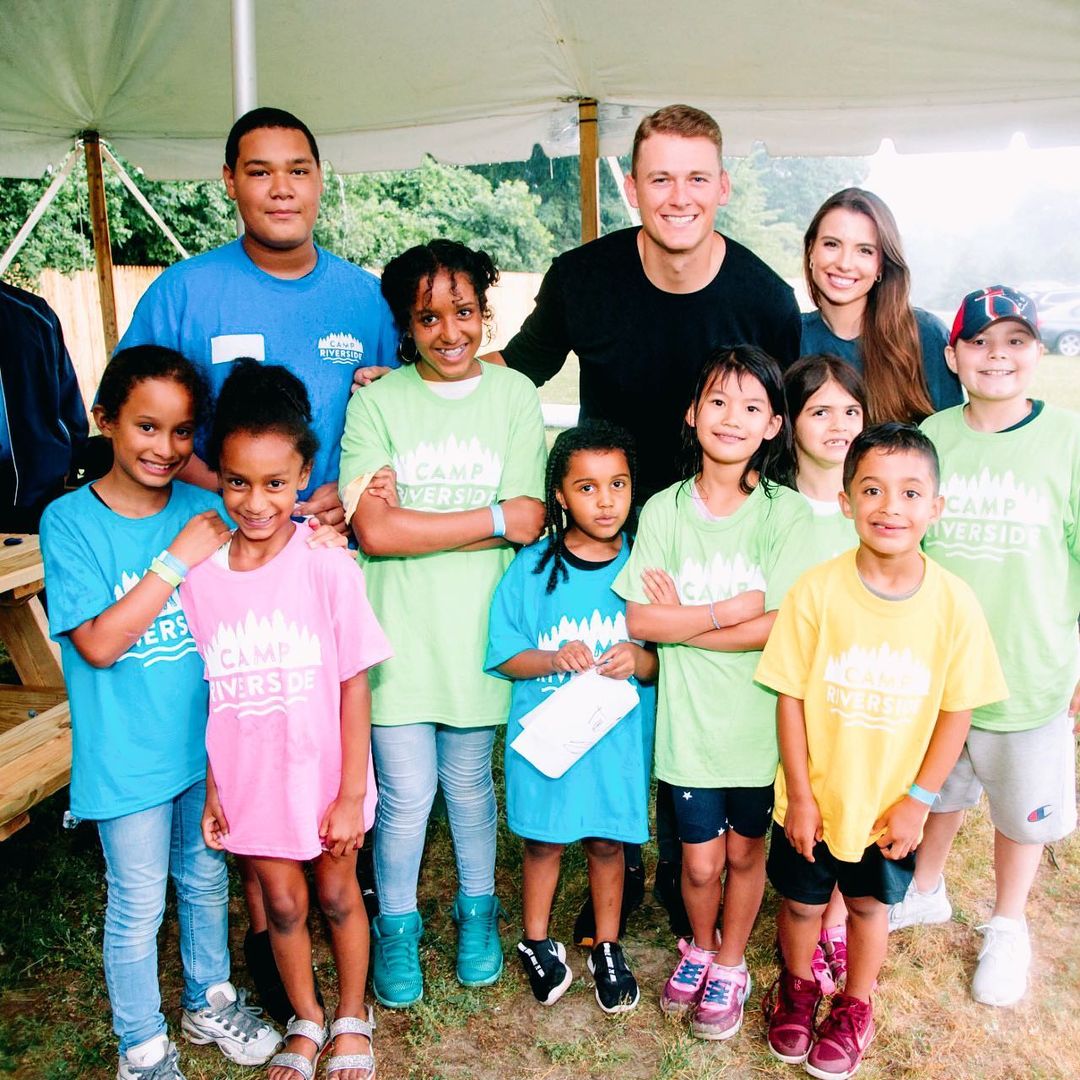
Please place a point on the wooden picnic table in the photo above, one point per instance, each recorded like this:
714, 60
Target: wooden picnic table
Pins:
35, 722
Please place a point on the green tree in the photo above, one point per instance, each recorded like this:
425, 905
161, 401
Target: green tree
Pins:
198, 212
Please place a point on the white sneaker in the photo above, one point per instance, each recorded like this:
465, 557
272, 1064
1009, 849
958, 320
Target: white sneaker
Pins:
1002, 972
919, 908
237, 1027
155, 1059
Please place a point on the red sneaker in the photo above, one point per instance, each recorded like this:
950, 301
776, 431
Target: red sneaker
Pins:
790, 1006
844, 1036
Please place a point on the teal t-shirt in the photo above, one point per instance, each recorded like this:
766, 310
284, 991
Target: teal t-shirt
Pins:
450, 454
715, 727
138, 727
1011, 530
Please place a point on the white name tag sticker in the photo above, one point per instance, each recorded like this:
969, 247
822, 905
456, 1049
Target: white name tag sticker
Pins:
229, 347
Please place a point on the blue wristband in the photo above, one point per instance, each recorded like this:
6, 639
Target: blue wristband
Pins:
498, 520
919, 794
177, 566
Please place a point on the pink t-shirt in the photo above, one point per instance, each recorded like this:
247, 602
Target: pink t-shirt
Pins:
277, 643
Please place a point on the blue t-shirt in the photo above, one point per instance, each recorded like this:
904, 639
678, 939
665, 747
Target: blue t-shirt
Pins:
220, 306
605, 793
943, 385
138, 727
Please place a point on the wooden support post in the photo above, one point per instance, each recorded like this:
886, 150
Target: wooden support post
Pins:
588, 161
99, 218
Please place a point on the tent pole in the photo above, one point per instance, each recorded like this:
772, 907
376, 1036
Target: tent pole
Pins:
588, 161
99, 219
35, 215
244, 69
245, 86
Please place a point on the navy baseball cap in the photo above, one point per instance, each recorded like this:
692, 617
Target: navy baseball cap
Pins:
985, 306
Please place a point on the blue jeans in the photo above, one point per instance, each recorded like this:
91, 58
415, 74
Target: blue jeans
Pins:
410, 762
141, 851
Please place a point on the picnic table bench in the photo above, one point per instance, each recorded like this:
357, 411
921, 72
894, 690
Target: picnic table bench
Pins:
35, 722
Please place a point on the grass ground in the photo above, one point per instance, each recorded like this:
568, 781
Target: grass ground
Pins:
54, 1017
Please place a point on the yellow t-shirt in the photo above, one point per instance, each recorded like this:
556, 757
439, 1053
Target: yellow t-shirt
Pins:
872, 675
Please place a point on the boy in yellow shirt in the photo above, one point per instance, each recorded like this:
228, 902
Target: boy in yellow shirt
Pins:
878, 657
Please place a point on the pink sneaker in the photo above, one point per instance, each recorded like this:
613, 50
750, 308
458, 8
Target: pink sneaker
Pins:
687, 980
719, 1013
834, 942
842, 1039
821, 970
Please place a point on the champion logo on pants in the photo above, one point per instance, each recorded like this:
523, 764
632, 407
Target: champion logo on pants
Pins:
1040, 812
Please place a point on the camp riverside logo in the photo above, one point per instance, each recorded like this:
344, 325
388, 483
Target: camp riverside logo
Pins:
341, 349
449, 475
719, 579
989, 517
598, 632
880, 688
167, 638
262, 665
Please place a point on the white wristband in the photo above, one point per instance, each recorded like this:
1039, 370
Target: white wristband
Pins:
498, 520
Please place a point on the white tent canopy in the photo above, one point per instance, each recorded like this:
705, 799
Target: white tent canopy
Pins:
382, 83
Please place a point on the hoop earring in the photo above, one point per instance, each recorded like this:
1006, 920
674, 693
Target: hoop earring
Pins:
408, 356
877, 280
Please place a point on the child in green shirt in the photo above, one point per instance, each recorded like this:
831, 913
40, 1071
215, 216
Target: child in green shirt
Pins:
1011, 529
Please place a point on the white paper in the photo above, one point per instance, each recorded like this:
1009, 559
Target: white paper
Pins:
572, 719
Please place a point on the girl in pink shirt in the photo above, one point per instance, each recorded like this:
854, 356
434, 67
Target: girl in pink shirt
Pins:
287, 636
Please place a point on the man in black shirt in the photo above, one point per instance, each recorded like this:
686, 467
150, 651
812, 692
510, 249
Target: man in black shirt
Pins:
644, 307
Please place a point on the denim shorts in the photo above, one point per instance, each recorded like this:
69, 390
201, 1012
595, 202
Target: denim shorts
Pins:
703, 814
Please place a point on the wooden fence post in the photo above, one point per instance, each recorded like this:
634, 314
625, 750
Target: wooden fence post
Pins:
588, 161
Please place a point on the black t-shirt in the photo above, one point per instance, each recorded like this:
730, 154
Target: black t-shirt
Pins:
641, 348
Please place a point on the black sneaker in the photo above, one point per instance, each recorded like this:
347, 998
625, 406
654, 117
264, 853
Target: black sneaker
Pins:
269, 988
545, 964
616, 987
667, 888
632, 896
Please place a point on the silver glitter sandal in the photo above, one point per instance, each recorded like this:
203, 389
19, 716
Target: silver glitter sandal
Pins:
304, 1066
352, 1025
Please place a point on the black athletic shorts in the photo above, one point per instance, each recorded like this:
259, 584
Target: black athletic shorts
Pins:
806, 882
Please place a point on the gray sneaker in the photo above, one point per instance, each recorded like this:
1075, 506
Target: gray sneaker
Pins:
238, 1028
155, 1059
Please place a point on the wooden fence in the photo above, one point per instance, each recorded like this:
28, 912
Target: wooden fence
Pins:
74, 298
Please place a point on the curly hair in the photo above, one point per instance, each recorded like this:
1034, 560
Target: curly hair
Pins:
595, 435
258, 398
412, 274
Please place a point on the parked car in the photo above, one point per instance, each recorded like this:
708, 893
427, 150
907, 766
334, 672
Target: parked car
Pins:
1060, 328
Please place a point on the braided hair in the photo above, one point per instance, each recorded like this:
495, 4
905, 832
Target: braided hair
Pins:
259, 398
596, 435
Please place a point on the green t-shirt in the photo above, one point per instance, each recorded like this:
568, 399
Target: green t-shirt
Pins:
715, 727
828, 533
1011, 530
449, 455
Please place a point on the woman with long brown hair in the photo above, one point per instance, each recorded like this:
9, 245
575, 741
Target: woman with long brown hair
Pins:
860, 284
